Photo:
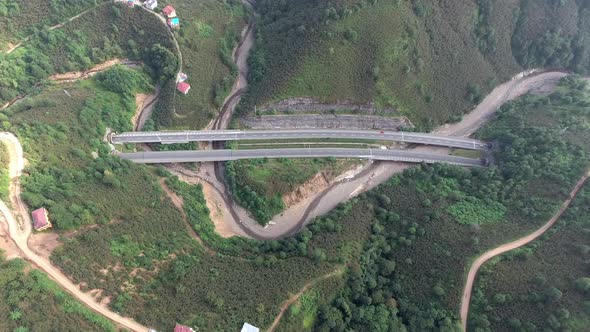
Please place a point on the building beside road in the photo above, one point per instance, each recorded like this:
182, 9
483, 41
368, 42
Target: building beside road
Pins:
183, 87
41, 219
151, 4
169, 11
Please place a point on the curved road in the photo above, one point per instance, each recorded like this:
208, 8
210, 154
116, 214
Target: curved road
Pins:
170, 137
465, 300
156, 157
19, 229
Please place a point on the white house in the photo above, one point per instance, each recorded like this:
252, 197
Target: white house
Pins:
151, 4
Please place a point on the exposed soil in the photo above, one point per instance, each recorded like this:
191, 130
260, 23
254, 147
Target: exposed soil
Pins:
7, 245
77, 75
317, 183
304, 104
44, 243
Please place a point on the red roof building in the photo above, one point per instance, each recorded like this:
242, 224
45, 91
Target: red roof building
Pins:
183, 87
182, 328
41, 219
169, 11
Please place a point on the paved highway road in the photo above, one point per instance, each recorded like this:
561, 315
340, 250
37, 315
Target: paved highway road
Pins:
170, 137
225, 155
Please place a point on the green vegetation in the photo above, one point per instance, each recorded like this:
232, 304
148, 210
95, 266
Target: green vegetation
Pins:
4, 171
30, 301
303, 313
543, 285
55, 170
405, 54
562, 40
401, 54
412, 251
21, 18
208, 32
141, 240
259, 184
104, 33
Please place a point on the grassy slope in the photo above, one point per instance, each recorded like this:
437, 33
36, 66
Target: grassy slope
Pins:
24, 291
4, 176
208, 32
420, 65
18, 19
260, 184
511, 293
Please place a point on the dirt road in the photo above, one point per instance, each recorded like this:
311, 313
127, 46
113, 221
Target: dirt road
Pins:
465, 300
20, 226
295, 297
295, 217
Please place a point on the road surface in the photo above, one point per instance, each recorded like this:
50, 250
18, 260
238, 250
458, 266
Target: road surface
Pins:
19, 229
170, 137
157, 157
465, 300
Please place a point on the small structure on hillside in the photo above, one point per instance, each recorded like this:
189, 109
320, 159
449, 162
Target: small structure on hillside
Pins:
249, 328
151, 4
182, 328
130, 3
41, 219
169, 11
183, 87
182, 77
173, 22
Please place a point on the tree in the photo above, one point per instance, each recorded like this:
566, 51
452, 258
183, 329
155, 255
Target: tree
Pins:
553, 294
163, 61
583, 284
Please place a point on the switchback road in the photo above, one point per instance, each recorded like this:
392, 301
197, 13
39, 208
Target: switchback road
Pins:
170, 137
225, 155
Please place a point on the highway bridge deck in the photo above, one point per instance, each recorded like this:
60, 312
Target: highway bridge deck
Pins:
171, 137
226, 155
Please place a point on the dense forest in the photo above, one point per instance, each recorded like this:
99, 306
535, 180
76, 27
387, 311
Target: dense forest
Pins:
543, 285
30, 301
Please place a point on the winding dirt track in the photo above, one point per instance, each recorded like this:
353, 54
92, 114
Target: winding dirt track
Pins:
465, 300
19, 228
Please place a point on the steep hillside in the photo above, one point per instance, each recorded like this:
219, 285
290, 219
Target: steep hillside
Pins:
208, 32
21, 18
429, 59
